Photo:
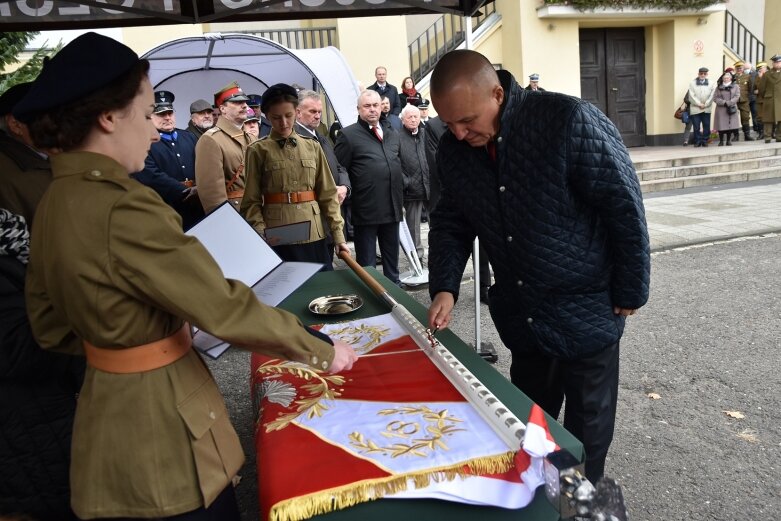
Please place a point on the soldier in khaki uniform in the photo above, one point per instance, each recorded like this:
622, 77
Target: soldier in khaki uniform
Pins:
219, 155
761, 70
289, 181
769, 90
112, 277
743, 80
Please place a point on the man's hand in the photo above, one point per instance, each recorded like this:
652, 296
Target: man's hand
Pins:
344, 357
624, 312
342, 247
341, 193
439, 312
189, 193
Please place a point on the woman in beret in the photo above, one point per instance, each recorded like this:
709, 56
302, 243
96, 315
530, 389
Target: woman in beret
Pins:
288, 181
112, 276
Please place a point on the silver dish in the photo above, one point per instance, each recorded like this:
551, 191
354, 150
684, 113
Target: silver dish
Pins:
335, 304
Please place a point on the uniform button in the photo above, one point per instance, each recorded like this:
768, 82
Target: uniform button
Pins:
212, 415
178, 155
519, 283
499, 139
324, 365
95, 173
314, 360
502, 189
529, 320
509, 238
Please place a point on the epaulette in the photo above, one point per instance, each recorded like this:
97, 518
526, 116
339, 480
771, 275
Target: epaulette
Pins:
212, 131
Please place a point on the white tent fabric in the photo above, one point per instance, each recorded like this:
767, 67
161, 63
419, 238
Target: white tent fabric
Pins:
197, 67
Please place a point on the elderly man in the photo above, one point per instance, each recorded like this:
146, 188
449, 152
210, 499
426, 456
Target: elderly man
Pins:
169, 168
308, 119
557, 205
201, 117
383, 88
219, 155
701, 92
25, 173
371, 156
414, 167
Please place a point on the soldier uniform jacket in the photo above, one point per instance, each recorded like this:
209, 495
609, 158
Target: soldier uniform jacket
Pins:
294, 164
118, 272
770, 92
24, 177
743, 80
218, 155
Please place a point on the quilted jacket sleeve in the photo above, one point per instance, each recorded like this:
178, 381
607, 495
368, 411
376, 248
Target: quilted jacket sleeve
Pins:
602, 173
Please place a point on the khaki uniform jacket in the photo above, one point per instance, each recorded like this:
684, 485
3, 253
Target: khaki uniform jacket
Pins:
769, 87
110, 265
296, 164
218, 156
744, 82
24, 177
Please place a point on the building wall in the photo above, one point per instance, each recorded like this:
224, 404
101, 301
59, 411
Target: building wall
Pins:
772, 34
751, 13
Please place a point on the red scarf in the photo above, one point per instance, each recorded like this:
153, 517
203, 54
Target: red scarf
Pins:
411, 92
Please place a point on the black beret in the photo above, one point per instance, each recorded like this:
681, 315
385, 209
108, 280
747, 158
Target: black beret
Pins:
276, 91
13, 96
85, 65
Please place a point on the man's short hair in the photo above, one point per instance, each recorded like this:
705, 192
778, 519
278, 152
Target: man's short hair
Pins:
364, 94
409, 108
380, 67
307, 94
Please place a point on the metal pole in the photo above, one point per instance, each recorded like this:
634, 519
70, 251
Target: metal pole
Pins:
476, 265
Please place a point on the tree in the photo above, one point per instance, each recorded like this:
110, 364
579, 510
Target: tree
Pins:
12, 44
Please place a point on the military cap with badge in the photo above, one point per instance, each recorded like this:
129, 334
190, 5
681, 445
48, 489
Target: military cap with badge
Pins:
164, 102
230, 92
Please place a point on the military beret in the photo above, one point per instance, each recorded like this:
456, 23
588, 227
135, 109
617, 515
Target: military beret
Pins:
164, 101
230, 92
254, 100
275, 91
13, 96
703, 69
252, 116
423, 104
776, 58
82, 67
534, 77
200, 105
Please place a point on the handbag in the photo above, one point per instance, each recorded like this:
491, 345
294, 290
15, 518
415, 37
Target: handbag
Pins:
679, 112
732, 109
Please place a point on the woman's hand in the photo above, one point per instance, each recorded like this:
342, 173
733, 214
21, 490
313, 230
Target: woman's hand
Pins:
439, 312
344, 357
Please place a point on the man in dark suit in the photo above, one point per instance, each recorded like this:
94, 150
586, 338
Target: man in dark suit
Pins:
308, 116
169, 168
383, 88
371, 156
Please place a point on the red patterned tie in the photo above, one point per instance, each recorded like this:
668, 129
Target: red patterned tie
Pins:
377, 132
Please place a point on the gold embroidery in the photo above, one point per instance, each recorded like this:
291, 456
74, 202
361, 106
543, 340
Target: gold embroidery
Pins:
319, 389
438, 425
352, 334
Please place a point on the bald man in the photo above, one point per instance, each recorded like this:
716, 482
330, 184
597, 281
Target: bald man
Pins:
546, 183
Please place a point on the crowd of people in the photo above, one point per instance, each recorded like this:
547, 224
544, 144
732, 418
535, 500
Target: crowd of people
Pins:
93, 161
743, 98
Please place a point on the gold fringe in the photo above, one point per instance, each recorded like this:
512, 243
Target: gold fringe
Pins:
325, 501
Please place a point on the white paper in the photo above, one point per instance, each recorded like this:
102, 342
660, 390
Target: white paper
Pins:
283, 281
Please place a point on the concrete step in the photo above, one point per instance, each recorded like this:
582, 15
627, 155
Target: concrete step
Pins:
721, 167
701, 156
659, 185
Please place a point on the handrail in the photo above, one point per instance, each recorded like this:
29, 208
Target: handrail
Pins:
444, 35
313, 38
741, 41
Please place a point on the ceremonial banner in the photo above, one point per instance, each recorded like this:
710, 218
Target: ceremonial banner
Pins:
393, 426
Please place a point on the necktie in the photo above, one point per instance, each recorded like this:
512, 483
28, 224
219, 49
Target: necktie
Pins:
377, 132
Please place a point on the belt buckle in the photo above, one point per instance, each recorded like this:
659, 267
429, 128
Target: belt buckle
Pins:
290, 198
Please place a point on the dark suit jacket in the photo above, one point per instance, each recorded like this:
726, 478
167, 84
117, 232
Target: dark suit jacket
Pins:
435, 129
375, 173
392, 93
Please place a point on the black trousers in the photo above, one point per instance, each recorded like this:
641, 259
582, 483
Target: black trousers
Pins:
224, 508
366, 235
590, 385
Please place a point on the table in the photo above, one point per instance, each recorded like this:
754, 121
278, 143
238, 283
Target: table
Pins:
345, 281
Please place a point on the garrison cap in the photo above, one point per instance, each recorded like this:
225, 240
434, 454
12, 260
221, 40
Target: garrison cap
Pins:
275, 91
423, 104
87, 64
230, 92
738, 63
200, 105
13, 96
534, 77
254, 100
703, 69
761, 64
252, 116
164, 101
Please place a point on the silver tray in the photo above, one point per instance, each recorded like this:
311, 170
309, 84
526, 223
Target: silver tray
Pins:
335, 304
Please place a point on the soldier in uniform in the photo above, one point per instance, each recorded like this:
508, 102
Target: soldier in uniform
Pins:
169, 168
770, 92
534, 83
743, 80
289, 181
219, 155
758, 126
113, 277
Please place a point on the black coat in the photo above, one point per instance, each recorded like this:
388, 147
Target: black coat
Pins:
375, 173
167, 166
37, 404
414, 166
435, 129
393, 96
561, 216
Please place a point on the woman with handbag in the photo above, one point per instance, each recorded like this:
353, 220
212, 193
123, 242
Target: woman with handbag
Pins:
700, 102
727, 118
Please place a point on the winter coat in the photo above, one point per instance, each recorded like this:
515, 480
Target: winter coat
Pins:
723, 98
701, 94
560, 214
392, 93
414, 166
770, 92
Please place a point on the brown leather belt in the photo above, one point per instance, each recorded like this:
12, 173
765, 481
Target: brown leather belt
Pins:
289, 197
236, 194
139, 359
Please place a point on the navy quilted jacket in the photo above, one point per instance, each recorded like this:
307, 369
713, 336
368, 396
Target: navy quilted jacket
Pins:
561, 216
